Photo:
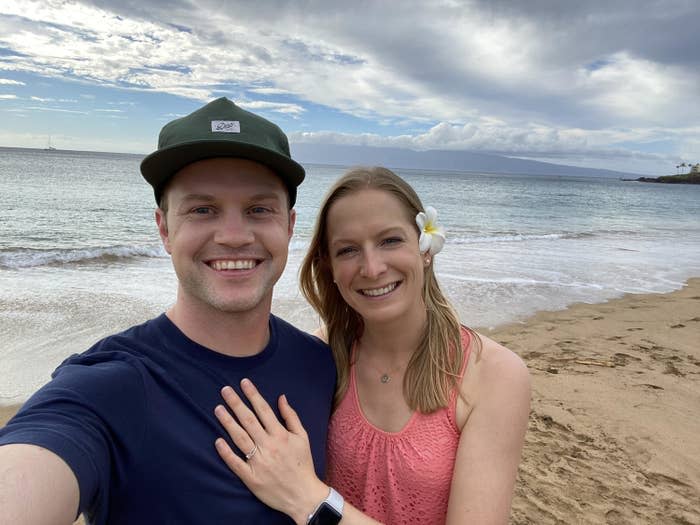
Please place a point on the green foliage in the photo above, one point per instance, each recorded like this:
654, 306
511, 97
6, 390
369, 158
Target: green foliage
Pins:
686, 178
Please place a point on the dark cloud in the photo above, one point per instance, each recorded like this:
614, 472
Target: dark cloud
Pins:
659, 30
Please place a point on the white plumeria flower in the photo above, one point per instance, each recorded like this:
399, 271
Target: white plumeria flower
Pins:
432, 235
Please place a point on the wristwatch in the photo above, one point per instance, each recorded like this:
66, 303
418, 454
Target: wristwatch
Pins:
329, 511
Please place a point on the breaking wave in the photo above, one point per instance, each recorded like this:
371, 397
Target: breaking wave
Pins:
28, 258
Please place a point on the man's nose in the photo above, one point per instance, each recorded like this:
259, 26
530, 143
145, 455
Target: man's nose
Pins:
234, 230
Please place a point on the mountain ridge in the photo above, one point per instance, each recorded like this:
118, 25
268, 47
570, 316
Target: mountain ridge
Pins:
449, 160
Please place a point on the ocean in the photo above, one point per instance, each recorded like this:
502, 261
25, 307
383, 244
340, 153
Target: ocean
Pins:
80, 256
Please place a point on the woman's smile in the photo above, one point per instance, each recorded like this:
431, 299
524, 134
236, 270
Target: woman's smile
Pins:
379, 292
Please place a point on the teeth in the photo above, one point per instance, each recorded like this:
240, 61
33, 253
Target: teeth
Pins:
233, 265
376, 292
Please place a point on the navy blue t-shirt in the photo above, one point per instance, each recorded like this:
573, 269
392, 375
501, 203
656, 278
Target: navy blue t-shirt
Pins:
134, 419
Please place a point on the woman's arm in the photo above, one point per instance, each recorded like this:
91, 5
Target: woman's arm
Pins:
497, 386
280, 470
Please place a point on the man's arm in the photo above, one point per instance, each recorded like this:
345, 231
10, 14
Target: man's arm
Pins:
36, 487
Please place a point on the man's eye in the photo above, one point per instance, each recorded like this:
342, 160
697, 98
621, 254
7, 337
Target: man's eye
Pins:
259, 209
201, 210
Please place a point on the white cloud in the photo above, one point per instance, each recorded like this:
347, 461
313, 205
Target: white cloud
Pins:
9, 82
570, 146
293, 109
8, 97
448, 61
270, 91
571, 79
636, 89
57, 110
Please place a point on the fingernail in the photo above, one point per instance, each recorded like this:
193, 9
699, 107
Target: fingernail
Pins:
245, 381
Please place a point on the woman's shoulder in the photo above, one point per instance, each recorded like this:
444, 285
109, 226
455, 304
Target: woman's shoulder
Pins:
496, 381
494, 370
497, 356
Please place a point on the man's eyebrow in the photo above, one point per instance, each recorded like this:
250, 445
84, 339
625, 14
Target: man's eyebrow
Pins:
198, 197
266, 196
205, 197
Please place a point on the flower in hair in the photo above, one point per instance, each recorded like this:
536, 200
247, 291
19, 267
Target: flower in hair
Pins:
432, 235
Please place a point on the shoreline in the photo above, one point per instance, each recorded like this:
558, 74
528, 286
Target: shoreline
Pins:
613, 428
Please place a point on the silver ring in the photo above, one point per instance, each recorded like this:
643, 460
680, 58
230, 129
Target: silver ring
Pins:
252, 452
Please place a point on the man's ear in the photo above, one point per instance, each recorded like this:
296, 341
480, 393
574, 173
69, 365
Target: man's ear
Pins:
292, 221
162, 223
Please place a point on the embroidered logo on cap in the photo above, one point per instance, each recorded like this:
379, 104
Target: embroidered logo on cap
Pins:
225, 126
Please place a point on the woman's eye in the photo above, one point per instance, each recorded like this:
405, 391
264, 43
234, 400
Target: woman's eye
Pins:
344, 251
392, 240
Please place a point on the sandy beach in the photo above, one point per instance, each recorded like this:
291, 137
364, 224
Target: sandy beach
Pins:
614, 427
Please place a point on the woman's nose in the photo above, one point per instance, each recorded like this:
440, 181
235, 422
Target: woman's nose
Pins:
372, 264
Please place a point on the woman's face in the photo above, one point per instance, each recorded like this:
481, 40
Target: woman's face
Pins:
373, 251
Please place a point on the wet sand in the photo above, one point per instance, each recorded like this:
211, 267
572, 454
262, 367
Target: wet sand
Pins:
614, 433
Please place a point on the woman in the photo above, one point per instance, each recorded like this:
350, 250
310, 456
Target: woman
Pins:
429, 416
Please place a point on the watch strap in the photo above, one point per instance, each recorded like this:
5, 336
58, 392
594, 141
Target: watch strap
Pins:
329, 511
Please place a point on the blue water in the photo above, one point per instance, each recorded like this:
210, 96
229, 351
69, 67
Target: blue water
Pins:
80, 256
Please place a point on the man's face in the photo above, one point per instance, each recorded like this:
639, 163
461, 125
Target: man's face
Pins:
227, 229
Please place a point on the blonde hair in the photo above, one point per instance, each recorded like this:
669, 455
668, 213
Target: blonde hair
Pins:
433, 370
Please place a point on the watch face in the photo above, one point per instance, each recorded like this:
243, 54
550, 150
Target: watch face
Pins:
325, 515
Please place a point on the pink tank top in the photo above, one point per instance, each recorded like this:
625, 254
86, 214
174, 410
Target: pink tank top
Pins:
395, 477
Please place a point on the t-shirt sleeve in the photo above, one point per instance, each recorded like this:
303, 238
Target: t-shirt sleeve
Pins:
88, 414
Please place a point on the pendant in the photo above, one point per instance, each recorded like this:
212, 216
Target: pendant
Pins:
385, 378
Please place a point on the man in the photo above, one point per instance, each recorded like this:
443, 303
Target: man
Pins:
125, 432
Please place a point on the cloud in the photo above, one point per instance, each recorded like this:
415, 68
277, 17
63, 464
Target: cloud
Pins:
270, 91
9, 82
604, 148
525, 78
447, 61
293, 109
636, 89
56, 110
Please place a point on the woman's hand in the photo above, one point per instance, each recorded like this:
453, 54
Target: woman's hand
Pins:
279, 468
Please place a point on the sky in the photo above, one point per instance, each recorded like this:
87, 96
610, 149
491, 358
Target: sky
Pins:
604, 84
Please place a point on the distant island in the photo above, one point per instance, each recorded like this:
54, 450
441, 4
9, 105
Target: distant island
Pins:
443, 160
686, 178
692, 177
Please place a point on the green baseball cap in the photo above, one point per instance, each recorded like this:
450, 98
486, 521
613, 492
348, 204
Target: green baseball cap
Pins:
221, 129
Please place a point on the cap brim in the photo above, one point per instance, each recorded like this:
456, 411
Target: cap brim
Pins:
158, 167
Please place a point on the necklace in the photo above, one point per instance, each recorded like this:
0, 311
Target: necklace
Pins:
385, 377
